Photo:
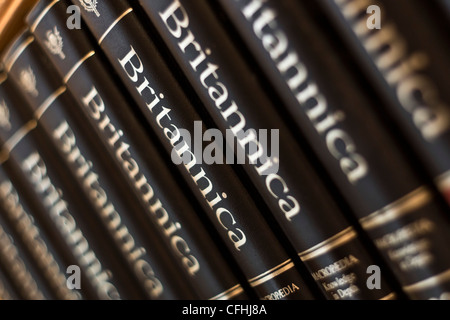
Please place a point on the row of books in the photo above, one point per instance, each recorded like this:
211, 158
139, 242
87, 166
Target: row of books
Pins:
226, 149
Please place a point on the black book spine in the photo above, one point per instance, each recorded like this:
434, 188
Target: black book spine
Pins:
154, 270
163, 201
40, 248
52, 245
23, 212
408, 68
48, 257
338, 117
60, 198
165, 107
18, 266
287, 182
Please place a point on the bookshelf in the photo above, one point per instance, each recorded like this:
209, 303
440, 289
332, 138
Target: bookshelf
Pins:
91, 159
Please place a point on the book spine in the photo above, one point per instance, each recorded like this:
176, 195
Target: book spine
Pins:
17, 264
154, 270
407, 68
66, 211
163, 201
53, 245
230, 91
396, 209
50, 259
39, 247
43, 248
167, 110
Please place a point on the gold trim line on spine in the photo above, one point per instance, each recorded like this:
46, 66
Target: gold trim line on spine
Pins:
407, 204
48, 102
42, 15
113, 25
76, 66
429, 282
228, 294
272, 273
338, 239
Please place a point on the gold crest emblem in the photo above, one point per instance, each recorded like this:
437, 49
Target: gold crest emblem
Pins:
55, 43
28, 81
90, 6
4, 116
